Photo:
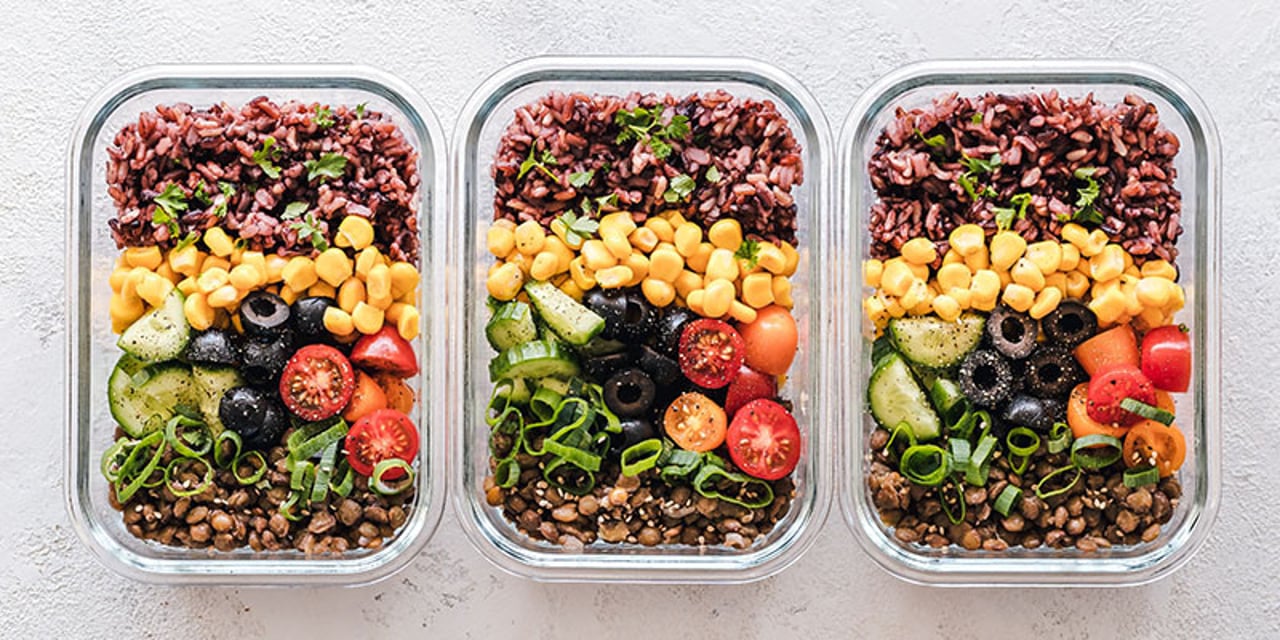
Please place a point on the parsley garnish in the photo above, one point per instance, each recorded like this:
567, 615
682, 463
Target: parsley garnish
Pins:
201, 193
578, 229
1087, 195
976, 118
749, 250
323, 117
307, 227
679, 188
330, 165
228, 191
977, 166
169, 207
266, 156
1005, 215
189, 240
540, 163
610, 200
642, 125
935, 141
580, 179
713, 175
360, 109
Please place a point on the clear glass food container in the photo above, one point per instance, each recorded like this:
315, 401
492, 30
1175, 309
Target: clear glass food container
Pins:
91, 254
483, 120
1198, 413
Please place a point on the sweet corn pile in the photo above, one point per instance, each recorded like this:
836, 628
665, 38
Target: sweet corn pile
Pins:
370, 289
1033, 278
716, 276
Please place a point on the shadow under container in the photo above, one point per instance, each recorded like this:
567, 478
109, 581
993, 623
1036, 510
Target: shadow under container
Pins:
482, 123
91, 255
1198, 413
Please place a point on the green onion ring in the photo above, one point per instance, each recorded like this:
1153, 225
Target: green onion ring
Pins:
113, 458
1059, 437
703, 483
1084, 452
1032, 441
259, 471
506, 473
1006, 499
348, 481
979, 467
640, 457
179, 441
955, 518
582, 488
963, 427
1019, 464
324, 471
925, 464
985, 418
1147, 411
544, 402
302, 476
286, 507
182, 493
126, 490
680, 464
1141, 476
949, 400
304, 449
1045, 495
904, 430
960, 452
378, 483
501, 394
226, 436
580, 458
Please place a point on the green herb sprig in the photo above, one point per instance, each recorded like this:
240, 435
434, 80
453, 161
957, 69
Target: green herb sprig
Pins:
1086, 197
679, 188
641, 124
749, 250
266, 156
1006, 215
330, 165
538, 162
578, 228
170, 205
323, 117
305, 223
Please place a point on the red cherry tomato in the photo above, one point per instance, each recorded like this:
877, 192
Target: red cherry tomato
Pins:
771, 340
711, 352
1111, 348
764, 440
1166, 358
387, 352
749, 385
317, 382
381, 435
1109, 388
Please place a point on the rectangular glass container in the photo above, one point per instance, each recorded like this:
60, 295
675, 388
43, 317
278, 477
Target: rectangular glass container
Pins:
1198, 165
483, 121
91, 255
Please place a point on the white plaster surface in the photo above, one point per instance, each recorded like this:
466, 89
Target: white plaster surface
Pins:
54, 55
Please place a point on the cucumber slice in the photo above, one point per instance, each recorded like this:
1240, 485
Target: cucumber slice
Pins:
160, 334
142, 398
211, 384
895, 397
932, 342
511, 324
537, 359
573, 322
131, 409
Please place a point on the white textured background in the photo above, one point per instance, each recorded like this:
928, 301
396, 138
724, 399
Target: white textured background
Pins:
54, 55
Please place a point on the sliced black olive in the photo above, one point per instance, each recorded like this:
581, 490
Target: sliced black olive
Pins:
639, 318
263, 313
985, 378
262, 361
1013, 334
214, 346
1052, 372
308, 317
1028, 411
610, 304
600, 368
1070, 324
670, 327
664, 371
255, 414
629, 393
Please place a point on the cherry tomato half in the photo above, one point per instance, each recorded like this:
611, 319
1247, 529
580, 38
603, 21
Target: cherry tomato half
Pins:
387, 352
317, 382
1152, 443
367, 398
1109, 388
1113, 347
711, 352
747, 386
381, 435
695, 422
771, 340
1166, 358
764, 440
399, 394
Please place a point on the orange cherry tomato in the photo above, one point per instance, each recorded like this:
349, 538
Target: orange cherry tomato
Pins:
1150, 442
695, 422
399, 395
367, 398
771, 340
1118, 346
1078, 416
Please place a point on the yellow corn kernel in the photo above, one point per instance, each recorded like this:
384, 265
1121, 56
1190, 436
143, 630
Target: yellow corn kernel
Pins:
661, 228
954, 276
355, 232
1109, 307
726, 233
332, 266
1100, 288
617, 245
1006, 248
644, 239
404, 278
1159, 269
1005, 278
639, 265
188, 286
1151, 318
529, 237
674, 217
1046, 254
1108, 264
687, 238
1076, 235
571, 289
561, 231
288, 294
366, 259
872, 270
946, 307
1132, 306
218, 241
582, 276
694, 301
894, 307
771, 259
1046, 301
967, 239
596, 256
258, 262
978, 259
665, 264
378, 283
698, 261
244, 277
351, 292
1027, 274
757, 290
1128, 262
1057, 281
1018, 297
500, 240
214, 262
237, 254
223, 296
659, 293
146, 257
1177, 299
963, 297
792, 259
1070, 256
124, 311
686, 282
556, 247
198, 312
167, 272
1154, 292
917, 293
129, 288
380, 302
117, 278
618, 222
722, 265
322, 289
407, 323
338, 322
409, 297
154, 288
614, 277
1077, 284
741, 312
919, 251
209, 280
392, 313
718, 298
896, 278
505, 282
874, 308
274, 265
1097, 242
366, 318
782, 292
1132, 270
505, 224
984, 289
544, 265
952, 257
667, 245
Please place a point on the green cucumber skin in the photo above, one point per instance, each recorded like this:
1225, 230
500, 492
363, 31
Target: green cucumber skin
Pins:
511, 324
160, 334
934, 343
168, 385
569, 319
532, 360
891, 405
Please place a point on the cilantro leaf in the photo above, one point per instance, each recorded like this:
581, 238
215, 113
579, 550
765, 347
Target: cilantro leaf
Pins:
330, 165
749, 250
540, 163
266, 156
677, 129
187, 241
641, 124
323, 117
968, 184
679, 188
578, 229
360, 109
1087, 196
1006, 215
977, 166
976, 118
580, 179
935, 141
305, 223
610, 200
661, 150
713, 175
169, 207
293, 210
228, 191
201, 194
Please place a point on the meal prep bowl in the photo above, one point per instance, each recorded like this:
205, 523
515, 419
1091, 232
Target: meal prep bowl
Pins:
480, 126
91, 351
1198, 165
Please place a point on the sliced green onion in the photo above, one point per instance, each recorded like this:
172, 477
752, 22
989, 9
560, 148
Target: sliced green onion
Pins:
200, 437
710, 474
983, 418
1141, 476
509, 425
1096, 451
204, 482
572, 412
1045, 495
499, 401
925, 464
680, 464
572, 443
1019, 464
378, 482
558, 470
641, 457
126, 490
324, 471
1059, 437
1147, 411
286, 507
961, 450
954, 516
348, 481
544, 402
114, 457
1006, 499
1022, 441
304, 448
963, 427
302, 476
979, 467
904, 431
506, 473
259, 470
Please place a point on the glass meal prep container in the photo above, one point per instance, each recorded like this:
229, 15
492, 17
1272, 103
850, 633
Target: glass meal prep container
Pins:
1198, 414
484, 119
92, 350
